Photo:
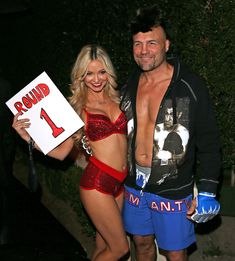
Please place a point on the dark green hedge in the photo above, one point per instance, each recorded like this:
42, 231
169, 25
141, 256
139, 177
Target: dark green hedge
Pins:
50, 35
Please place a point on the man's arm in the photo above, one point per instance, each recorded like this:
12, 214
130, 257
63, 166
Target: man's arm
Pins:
205, 206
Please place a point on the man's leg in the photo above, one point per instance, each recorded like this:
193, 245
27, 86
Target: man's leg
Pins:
180, 255
145, 248
137, 222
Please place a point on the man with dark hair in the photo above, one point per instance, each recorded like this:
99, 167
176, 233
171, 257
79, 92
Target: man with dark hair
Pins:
170, 124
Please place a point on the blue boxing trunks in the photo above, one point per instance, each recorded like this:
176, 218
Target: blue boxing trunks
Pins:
148, 214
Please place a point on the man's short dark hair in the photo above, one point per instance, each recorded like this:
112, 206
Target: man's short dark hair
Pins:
146, 19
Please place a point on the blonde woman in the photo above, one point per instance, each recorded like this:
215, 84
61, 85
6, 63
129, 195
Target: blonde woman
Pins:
96, 100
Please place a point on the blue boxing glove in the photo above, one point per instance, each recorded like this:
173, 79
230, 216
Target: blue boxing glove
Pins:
207, 207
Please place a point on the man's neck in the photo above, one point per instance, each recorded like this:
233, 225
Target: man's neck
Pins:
159, 74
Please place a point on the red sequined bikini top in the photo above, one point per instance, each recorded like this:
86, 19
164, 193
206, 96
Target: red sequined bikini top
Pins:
99, 126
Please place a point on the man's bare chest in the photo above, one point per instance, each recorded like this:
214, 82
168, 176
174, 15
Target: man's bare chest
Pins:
148, 103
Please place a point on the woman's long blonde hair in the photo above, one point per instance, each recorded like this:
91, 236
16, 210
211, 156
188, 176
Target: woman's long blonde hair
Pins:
79, 71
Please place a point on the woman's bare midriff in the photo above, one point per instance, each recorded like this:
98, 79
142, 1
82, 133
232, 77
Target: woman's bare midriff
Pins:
111, 151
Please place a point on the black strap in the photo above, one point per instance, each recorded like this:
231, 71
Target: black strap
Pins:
32, 176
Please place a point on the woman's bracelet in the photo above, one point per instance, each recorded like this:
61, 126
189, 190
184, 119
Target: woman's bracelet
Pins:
85, 146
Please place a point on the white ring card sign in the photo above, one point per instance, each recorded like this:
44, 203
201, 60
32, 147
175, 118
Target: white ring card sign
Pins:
52, 118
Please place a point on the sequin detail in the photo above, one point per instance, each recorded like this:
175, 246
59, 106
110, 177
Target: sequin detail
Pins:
99, 126
97, 175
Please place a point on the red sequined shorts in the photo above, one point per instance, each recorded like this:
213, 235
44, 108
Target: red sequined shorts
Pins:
103, 178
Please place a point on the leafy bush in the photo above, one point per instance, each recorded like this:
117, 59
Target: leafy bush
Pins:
202, 36
50, 37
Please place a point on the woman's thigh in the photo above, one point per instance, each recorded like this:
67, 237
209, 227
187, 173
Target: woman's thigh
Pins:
104, 211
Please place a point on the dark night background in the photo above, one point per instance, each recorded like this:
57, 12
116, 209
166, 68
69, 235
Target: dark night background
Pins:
46, 35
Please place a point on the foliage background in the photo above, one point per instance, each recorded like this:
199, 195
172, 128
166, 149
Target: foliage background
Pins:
49, 36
